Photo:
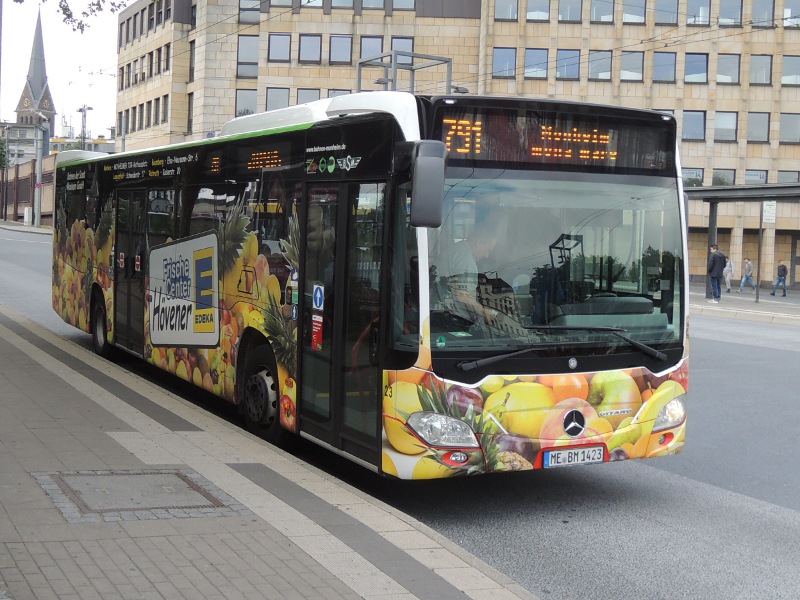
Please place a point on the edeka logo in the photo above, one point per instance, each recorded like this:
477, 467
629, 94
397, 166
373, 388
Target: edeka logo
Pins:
204, 312
184, 300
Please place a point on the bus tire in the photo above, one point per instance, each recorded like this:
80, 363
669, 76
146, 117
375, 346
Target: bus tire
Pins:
99, 327
259, 400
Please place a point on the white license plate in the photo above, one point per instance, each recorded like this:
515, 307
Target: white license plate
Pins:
585, 455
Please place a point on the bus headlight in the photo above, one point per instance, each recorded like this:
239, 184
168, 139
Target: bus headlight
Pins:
672, 415
441, 430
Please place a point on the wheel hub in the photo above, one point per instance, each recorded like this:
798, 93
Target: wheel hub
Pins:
258, 397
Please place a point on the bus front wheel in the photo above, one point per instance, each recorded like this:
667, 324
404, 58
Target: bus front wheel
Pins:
100, 328
260, 396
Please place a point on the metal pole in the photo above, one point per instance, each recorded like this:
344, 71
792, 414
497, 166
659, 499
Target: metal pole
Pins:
760, 242
712, 238
37, 193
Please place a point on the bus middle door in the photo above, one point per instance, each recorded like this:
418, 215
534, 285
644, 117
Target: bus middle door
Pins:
341, 384
129, 270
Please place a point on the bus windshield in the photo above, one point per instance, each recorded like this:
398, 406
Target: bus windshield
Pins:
541, 258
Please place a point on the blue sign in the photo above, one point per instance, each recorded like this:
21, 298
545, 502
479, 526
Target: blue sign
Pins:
294, 312
319, 297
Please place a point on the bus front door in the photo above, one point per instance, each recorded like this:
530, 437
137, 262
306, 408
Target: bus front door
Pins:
341, 378
129, 270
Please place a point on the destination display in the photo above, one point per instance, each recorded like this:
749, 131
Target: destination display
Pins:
554, 138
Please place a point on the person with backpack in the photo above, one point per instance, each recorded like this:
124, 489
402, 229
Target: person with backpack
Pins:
716, 266
781, 281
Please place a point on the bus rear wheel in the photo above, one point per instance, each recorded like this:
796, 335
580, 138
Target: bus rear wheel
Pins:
99, 328
259, 402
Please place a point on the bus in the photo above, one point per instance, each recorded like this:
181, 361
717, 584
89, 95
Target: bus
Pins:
430, 286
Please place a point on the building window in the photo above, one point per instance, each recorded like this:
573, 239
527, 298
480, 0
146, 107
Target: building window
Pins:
165, 108
789, 128
692, 177
310, 48
761, 69
312, 4
403, 4
632, 66
568, 64
504, 64
191, 58
246, 102
723, 177
694, 125
728, 68
342, 3
148, 114
788, 176
167, 9
372, 3
281, 3
371, 46
136, 25
600, 65
791, 15
332, 93
121, 79
277, 98
569, 11
730, 12
505, 10
341, 50
193, 17
249, 11
758, 127
763, 13
156, 111
633, 11
158, 61
539, 10
602, 11
280, 47
696, 68
725, 126
663, 67
791, 70
167, 57
697, 12
755, 177
666, 12
307, 95
403, 44
150, 60
247, 58
536, 63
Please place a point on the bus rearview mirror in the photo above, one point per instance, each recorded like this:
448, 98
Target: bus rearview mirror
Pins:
427, 183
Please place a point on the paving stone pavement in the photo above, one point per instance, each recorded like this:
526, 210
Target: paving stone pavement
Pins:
111, 487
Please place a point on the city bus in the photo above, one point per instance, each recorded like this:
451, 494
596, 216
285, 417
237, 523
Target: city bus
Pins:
430, 286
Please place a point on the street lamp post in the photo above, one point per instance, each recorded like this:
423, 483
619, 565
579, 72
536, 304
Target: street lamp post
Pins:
83, 109
37, 193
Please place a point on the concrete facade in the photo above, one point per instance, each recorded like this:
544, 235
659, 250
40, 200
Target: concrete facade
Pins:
729, 72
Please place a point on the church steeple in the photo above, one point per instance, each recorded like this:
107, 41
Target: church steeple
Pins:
36, 99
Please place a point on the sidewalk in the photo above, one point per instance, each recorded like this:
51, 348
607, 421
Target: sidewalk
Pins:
733, 305
111, 487
15, 226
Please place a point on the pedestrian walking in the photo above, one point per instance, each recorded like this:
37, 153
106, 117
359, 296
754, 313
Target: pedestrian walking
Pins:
728, 273
781, 280
747, 276
716, 265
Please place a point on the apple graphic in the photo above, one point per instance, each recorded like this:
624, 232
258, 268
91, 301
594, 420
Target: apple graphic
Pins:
615, 395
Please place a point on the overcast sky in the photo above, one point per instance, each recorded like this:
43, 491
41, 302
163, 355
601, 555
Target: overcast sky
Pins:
81, 68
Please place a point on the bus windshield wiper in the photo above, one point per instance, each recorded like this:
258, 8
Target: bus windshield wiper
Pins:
469, 365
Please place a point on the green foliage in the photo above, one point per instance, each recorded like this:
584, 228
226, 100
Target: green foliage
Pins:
92, 9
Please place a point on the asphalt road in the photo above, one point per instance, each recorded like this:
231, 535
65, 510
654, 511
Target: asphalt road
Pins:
721, 520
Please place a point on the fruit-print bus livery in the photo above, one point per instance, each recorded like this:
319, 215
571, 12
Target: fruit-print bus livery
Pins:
429, 286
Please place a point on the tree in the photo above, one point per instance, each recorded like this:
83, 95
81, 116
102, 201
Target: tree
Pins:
3, 154
94, 7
